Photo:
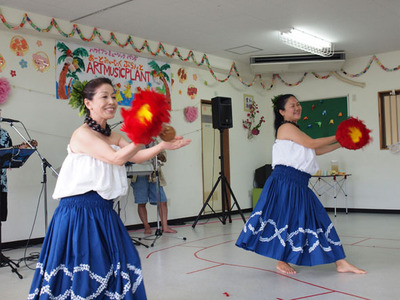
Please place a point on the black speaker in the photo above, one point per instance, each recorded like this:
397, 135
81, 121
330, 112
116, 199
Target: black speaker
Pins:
221, 112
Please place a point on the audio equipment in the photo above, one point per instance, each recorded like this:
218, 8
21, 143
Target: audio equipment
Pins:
221, 112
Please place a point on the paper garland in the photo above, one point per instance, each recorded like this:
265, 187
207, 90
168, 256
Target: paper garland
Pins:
190, 56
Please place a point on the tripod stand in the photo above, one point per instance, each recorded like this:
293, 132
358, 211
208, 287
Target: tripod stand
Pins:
6, 261
224, 186
12, 158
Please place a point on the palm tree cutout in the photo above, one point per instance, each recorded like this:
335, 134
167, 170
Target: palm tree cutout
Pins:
73, 64
158, 72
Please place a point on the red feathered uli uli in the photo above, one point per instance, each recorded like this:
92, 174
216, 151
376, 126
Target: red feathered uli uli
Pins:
144, 119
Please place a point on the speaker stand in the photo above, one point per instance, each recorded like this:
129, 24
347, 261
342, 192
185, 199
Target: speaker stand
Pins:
226, 208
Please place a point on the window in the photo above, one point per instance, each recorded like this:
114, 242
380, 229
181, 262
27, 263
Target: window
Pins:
389, 118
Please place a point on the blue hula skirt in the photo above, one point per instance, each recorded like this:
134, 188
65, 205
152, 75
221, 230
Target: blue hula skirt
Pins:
87, 254
290, 224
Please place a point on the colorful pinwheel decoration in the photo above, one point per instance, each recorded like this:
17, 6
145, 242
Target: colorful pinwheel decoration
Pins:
146, 118
353, 134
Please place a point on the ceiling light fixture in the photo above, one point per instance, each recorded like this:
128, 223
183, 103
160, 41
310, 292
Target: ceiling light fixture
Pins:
307, 42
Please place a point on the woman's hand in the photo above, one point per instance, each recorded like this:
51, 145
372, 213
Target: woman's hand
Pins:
176, 143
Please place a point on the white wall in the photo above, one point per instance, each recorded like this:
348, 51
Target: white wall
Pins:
51, 122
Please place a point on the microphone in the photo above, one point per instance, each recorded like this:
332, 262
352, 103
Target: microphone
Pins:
8, 120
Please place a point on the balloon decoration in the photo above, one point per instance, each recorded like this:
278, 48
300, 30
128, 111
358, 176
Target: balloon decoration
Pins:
146, 117
353, 134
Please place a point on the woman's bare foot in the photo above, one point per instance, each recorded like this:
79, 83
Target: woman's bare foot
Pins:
147, 230
169, 230
343, 266
285, 268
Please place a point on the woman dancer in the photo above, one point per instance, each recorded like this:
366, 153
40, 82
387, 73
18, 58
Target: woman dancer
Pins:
289, 222
87, 252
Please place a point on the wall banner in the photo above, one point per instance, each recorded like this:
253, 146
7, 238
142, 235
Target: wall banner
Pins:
129, 73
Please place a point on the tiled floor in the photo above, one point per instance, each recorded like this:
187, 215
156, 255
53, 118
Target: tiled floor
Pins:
207, 265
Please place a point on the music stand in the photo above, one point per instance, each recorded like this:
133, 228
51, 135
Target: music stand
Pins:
12, 158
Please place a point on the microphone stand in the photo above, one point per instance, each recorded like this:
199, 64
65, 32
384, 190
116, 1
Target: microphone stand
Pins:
158, 232
45, 164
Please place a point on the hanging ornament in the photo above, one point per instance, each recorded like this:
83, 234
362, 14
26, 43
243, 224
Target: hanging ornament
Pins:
324, 113
191, 113
312, 107
353, 134
319, 124
331, 122
340, 115
5, 89
305, 118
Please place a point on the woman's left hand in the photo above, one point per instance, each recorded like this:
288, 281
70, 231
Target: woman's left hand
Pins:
176, 143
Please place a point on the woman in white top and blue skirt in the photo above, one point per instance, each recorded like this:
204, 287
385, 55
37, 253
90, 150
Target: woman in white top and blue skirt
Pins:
289, 223
87, 253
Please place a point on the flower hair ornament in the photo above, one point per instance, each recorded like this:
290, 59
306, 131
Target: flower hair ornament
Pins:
76, 98
273, 100
353, 134
147, 118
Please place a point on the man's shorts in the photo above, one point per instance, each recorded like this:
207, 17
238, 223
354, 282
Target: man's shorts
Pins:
145, 191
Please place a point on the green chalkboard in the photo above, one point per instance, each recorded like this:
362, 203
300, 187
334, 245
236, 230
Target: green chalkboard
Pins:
321, 117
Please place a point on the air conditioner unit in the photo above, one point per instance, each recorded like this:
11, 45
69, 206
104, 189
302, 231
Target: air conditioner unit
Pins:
306, 62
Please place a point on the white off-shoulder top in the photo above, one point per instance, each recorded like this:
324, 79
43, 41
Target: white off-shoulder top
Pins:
81, 173
288, 153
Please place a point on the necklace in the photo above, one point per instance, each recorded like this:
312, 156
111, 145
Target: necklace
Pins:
290, 122
96, 127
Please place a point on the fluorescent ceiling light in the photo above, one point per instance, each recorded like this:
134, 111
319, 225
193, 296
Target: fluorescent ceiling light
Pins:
307, 42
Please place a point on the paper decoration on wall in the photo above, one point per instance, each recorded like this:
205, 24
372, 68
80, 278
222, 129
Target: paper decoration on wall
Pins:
182, 75
133, 73
192, 91
340, 114
2, 63
309, 126
118, 95
324, 113
180, 92
319, 124
13, 73
331, 122
312, 107
19, 45
205, 83
191, 113
23, 63
305, 118
39, 43
195, 77
5, 89
41, 61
